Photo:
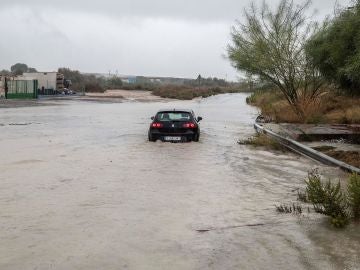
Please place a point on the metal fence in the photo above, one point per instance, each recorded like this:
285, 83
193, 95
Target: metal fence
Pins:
22, 89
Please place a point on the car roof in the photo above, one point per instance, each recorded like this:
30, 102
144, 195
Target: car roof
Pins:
176, 110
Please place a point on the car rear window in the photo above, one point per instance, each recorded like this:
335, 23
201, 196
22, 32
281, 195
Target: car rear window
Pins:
173, 116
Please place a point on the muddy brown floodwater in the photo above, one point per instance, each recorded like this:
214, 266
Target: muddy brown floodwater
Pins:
82, 188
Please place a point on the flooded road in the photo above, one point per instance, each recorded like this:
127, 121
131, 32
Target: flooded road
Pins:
82, 188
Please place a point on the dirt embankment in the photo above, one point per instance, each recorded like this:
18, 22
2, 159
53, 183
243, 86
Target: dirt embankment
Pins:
332, 123
331, 108
350, 156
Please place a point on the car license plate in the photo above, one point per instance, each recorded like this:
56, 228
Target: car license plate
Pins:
168, 138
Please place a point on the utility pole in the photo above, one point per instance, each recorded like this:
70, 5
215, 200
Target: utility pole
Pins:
199, 80
6, 87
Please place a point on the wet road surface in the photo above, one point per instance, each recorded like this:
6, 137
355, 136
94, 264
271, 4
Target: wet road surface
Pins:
81, 188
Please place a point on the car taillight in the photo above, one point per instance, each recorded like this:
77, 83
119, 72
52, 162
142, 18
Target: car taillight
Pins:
157, 125
189, 125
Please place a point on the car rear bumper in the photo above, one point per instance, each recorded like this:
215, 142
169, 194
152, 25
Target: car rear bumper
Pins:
187, 136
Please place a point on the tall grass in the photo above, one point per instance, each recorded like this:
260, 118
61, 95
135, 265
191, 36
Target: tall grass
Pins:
329, 107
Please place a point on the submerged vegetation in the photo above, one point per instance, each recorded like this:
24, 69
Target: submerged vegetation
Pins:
327, 199
261, 140
290, 209
330, 199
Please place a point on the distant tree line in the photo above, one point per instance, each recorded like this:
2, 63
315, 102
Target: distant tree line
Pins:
97, 83
207, 82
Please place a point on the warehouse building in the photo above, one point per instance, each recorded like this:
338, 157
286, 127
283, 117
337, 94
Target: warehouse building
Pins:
31, 84
48, 82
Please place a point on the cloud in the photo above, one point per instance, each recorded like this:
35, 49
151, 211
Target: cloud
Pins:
175, 9
208, 10
96, 43
158, 37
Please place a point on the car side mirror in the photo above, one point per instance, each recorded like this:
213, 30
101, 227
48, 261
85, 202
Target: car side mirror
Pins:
199, 119
152, 117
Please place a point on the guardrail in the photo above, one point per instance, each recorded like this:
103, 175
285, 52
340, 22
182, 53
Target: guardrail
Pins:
305, 150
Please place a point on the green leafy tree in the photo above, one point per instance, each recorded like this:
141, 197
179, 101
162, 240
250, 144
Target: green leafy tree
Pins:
271, 45
30, 69
76, 78
5, 72
335, 49
209, 82
79, 81
20, 68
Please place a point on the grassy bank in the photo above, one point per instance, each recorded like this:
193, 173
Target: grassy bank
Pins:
261, 140
332, 108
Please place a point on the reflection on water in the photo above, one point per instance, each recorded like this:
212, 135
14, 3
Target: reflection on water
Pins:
103, 197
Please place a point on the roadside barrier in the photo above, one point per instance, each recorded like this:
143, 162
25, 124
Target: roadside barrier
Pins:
305, 150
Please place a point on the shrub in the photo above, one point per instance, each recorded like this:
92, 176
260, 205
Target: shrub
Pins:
80, 81
114, 83
354, 195
94, 88
327, 199
314, 188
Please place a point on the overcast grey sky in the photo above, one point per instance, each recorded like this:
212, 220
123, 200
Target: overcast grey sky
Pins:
179, 38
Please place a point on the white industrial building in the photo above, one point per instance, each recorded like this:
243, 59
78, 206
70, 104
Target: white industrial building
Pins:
46, 80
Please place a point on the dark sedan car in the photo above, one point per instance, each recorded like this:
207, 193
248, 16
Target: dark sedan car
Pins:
175, 126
